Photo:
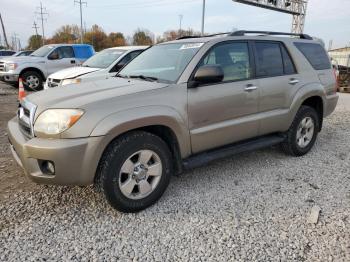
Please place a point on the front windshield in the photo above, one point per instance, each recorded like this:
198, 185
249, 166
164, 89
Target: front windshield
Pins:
43, 51
162, 62
104, 58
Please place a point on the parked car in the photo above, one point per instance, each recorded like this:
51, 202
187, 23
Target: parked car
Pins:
34, 69
23, 53
100, 66
5, 53
176, 106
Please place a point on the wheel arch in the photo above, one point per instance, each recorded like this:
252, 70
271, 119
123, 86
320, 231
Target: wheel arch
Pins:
35, 69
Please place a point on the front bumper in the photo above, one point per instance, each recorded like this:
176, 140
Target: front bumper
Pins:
75, 160
9, 77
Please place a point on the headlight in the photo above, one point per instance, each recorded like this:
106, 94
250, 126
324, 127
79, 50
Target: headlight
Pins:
55, 121
11, 66
71, 81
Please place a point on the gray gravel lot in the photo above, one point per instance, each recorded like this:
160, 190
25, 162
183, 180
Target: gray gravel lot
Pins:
252, 207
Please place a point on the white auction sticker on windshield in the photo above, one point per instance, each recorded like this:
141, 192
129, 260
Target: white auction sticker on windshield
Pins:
192, 45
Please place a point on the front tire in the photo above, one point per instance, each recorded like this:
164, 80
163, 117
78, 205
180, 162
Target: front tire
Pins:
303, 132
32, 81
134, 171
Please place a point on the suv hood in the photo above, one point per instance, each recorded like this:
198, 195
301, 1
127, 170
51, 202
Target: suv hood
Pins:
98, 94
23, 59
73, 72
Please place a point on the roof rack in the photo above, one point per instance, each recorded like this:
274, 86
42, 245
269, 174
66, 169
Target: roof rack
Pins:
243, 32
200, 36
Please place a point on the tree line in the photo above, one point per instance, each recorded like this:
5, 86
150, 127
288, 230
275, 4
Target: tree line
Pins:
100, 40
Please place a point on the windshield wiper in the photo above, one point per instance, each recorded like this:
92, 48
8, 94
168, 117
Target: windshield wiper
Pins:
121, 76
146, 78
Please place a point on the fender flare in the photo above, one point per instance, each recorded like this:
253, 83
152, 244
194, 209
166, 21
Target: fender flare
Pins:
121, 122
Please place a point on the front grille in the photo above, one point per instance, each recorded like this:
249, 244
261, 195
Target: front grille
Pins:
2, 66
25, 114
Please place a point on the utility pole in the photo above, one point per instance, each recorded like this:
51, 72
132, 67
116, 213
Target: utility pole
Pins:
203, 16
35, 27
4, 33
180, 30
42, 18
81, 3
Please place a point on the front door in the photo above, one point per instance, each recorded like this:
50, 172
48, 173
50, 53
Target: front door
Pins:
225, 112
60, 58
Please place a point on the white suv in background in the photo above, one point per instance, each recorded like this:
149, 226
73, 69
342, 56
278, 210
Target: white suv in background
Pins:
100, 66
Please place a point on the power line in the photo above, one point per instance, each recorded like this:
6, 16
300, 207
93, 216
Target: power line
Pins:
180, 17
42, 18
153, 4
35, 27
81, 18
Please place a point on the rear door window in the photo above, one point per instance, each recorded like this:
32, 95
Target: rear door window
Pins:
288, 64
315, 54
268, 59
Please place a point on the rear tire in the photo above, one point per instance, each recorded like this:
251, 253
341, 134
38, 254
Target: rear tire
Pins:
128, 180
32, 81
302, 134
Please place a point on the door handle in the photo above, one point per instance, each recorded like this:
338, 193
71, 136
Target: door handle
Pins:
293, 81
250, 88
72, 61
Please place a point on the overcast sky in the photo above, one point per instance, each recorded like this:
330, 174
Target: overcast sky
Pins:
327, 19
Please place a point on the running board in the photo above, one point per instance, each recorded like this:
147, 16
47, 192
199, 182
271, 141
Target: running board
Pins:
230, 150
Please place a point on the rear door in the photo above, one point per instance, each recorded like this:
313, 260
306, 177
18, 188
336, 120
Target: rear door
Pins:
224, 113
277, 80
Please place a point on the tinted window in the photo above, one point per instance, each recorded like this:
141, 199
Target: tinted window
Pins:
126, 59
268, 59
65, 52
287, 62
233, 58
315, 54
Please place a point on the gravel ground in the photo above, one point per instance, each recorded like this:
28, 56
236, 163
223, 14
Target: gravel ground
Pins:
252, 207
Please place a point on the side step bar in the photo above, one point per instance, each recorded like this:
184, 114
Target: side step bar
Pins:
233, 149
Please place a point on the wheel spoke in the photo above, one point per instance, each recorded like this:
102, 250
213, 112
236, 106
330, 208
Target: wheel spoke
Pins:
155, 169
128, 167
309, 134
144, 187
309, 123
145, 156
128, 186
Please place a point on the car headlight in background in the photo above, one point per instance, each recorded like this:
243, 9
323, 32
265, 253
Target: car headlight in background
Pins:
11, 66
71, 81
55, 121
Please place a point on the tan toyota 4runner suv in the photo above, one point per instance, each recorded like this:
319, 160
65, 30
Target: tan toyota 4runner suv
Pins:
178, 105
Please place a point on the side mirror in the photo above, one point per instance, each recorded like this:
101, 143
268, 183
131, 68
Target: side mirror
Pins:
53, 56
208, 74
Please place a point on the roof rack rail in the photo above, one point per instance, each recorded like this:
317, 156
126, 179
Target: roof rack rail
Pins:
200, 36
243, 32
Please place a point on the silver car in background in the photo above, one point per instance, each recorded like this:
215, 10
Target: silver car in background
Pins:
102, 65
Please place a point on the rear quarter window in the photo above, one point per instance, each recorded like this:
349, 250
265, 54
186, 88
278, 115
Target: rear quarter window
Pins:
315, 54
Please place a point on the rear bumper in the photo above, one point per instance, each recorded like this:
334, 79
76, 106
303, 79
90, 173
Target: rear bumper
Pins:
75, 160
331, 102
9, 77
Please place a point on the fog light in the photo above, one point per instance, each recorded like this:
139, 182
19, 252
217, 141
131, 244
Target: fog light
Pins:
47, 167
